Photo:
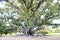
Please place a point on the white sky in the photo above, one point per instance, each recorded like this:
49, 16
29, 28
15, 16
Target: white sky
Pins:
57, 21
55, 1
2, 4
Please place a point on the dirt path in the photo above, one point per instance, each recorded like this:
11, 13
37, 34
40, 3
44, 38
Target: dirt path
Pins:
31, 38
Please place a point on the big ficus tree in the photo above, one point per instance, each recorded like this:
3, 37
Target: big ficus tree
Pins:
33, 14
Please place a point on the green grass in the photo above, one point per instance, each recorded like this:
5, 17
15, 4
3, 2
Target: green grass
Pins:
54, 34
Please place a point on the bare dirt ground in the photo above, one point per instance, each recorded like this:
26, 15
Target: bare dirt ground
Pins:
30, 38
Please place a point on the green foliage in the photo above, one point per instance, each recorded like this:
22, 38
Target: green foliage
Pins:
44, 32
57, 30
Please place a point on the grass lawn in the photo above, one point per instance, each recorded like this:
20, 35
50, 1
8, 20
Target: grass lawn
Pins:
54, 34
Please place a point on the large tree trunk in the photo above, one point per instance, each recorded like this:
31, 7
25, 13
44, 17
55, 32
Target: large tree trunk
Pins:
29, 31
32, 31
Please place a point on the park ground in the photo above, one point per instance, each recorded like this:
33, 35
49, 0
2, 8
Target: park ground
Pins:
30, 38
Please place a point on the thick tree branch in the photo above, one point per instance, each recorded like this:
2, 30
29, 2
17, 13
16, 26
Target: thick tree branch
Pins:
30, 4
39, 4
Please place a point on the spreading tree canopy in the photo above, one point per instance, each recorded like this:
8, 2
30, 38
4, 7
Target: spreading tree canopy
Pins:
31, 13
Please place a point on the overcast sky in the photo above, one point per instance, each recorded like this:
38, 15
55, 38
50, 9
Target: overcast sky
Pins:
2, 4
